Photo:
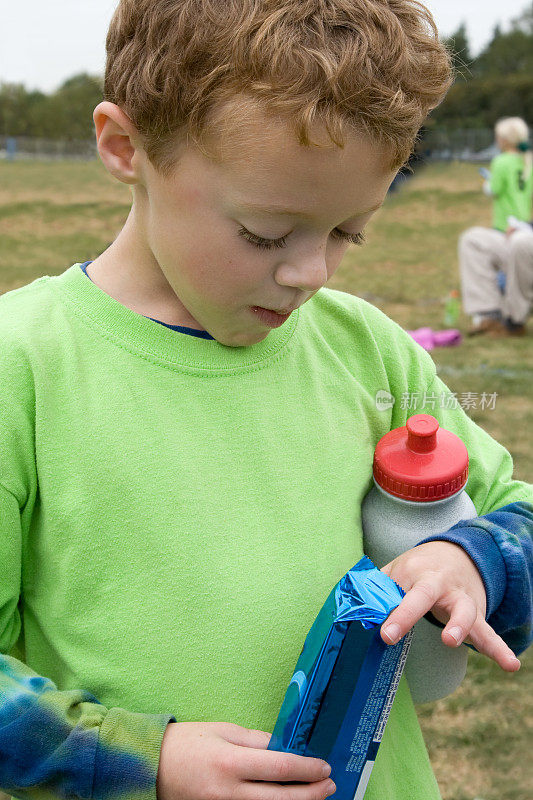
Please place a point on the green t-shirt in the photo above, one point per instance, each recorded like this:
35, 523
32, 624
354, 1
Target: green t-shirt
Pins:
174, 513
512, 192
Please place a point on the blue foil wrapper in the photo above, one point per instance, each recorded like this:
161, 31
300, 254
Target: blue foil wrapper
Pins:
340, 696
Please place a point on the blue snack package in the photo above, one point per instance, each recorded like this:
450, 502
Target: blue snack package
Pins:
341, 693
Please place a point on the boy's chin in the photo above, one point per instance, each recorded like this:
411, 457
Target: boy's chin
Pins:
244, 339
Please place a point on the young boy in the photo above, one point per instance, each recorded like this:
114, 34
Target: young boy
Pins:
188, 422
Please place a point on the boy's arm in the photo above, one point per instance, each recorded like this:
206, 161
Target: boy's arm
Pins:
63, 743
500, 540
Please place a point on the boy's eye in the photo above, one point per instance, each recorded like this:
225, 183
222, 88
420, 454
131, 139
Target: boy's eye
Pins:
268, 244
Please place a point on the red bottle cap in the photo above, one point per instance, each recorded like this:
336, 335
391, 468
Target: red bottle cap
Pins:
421, 461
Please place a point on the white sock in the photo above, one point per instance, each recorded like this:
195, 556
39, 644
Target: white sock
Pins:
477, 319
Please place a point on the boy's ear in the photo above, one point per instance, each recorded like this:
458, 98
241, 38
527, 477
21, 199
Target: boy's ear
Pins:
118, 142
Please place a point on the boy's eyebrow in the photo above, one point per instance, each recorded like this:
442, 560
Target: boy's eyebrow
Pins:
273, 209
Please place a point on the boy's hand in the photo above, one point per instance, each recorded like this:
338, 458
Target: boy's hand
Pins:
442, 578
222, 761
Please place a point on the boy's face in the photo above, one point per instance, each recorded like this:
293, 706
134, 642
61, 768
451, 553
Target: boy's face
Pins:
197, 226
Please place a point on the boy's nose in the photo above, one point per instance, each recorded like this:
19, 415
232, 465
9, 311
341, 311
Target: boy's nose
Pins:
308, 275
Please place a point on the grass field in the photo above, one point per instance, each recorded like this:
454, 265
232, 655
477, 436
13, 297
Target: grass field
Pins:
52, 215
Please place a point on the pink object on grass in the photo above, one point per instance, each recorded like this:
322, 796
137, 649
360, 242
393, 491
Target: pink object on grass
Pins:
428, 338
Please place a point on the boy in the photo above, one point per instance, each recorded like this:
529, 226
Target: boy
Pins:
186, 445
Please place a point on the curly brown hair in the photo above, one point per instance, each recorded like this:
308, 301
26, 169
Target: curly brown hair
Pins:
190, 69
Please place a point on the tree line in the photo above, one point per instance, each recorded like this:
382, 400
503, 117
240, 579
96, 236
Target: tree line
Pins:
64, 114
497, 83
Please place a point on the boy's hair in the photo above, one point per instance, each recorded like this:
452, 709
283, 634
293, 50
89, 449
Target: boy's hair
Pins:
192, 69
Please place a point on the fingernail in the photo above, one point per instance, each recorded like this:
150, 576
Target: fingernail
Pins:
326, 769
456, 633
515, 661
392, 632
331, 788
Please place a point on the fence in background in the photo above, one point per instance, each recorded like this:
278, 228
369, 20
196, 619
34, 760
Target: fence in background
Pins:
476, 144
30, 148
437, 145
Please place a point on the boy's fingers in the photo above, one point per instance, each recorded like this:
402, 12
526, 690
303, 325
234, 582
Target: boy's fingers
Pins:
273, 791
462, 618
245, 737
253, 762
278, 767
487, 641
418, 601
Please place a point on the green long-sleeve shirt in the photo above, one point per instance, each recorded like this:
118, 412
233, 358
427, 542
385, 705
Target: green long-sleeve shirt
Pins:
173, 514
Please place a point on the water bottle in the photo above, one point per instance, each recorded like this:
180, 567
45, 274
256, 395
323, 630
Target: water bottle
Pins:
420, 471
451, 309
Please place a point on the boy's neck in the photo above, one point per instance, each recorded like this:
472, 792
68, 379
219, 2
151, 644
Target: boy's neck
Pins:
128, 272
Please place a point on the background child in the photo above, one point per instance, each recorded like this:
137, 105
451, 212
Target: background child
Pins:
188, 422
511, 173
487, 253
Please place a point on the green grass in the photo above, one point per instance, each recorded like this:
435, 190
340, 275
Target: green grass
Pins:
54, 214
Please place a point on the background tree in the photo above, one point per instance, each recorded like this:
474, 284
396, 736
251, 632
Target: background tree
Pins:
507, 54
525, 21
497, 83
65, 114
20, 111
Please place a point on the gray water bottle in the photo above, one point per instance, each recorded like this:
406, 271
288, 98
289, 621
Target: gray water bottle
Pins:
420, 471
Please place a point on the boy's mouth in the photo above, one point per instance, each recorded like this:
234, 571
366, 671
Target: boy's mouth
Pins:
281, 311
271, 318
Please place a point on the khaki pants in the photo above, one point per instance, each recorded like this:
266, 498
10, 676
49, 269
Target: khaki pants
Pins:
482, 252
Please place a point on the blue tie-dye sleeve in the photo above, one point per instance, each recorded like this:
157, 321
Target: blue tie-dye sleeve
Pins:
67, 744
500, 539
501, 546
63, 743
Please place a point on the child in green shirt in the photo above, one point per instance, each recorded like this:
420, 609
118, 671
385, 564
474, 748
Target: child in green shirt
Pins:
490, 256
511, 181
188, 422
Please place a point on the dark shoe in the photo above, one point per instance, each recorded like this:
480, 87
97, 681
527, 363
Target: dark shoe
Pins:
507, 328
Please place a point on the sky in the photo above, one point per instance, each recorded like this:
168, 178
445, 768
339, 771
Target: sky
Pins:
44, 43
